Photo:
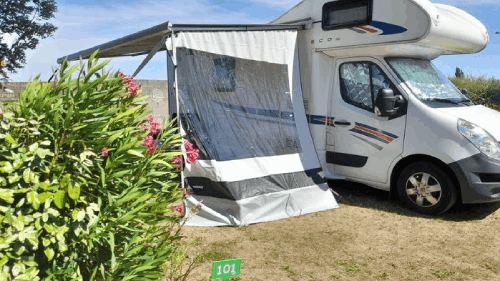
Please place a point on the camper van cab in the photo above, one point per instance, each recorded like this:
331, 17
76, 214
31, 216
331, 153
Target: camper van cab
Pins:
379, 111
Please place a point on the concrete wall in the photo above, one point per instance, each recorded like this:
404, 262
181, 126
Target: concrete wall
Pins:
155, 89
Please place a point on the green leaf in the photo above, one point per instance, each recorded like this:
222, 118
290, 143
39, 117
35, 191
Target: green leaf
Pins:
161, 162
114, 136
121, 173
59, 198
7, 168
7, 195
42, 153
80, 216
10, 139
49, 252
135, 152
74, 192
68, 73
44, 185
65, 181
103, 176
112, 245
45, 143
33, 199
33, 147
13, 178
26, 175
4, 260
42, 197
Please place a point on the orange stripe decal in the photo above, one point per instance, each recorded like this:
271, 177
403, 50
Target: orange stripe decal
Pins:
377, 134
368, 29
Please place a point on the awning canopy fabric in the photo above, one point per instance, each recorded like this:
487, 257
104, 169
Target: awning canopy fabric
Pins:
142, 42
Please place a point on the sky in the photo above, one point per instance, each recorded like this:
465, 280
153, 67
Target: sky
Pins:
87, 23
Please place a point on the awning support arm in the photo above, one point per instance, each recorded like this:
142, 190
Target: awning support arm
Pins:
150, 55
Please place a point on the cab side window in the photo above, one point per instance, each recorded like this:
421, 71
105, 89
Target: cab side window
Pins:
360, 83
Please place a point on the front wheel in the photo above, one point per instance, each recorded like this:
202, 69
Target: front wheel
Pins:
426, 188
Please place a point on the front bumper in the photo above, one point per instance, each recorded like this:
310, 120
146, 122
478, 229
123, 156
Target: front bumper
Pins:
479, 178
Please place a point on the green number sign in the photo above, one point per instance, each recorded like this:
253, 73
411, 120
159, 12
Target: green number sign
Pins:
226, 269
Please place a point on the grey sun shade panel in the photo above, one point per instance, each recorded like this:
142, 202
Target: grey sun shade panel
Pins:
233, 108
241, 104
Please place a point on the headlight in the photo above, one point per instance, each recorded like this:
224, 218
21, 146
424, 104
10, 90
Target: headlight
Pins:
481, 139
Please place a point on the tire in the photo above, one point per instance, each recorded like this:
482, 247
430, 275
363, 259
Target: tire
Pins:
426, 188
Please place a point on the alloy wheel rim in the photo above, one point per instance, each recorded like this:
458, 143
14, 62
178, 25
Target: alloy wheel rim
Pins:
423, 190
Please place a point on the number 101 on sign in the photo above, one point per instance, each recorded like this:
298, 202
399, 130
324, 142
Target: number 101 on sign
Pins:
226, 269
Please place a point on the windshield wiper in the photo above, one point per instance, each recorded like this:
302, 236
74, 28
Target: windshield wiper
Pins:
444, 101
462, 101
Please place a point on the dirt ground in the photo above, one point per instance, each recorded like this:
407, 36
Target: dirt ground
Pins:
370, 237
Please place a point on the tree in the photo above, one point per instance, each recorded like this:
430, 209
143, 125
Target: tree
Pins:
28, 20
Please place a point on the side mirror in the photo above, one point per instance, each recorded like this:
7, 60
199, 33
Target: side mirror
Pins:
385, 104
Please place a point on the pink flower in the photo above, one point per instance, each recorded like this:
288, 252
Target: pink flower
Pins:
178, 209
199, 206
121, 74
177, 159
104, 151
153, 127
133, 89
192, 153
188, 145
149, 143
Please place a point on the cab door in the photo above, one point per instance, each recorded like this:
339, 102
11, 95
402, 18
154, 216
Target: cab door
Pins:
365, 144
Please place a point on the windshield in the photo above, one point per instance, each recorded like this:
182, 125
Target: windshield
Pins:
426, 81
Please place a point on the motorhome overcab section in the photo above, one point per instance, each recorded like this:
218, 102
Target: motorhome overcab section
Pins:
380, 113
340, 89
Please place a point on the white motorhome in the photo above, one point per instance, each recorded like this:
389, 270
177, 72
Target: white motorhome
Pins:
362, 102
436, 146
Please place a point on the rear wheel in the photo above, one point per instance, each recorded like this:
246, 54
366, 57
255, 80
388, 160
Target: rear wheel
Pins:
426, 188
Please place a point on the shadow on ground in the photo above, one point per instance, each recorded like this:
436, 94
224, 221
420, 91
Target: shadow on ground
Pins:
356, 194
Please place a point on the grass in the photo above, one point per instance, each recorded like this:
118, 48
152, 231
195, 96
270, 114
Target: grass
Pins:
346, 267
290, 270
442, 274
369, 238
218, 251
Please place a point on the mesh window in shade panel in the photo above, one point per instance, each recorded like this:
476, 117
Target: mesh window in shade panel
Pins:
234, 108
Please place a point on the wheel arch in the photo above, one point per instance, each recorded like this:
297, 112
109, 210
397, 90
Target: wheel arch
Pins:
404, 162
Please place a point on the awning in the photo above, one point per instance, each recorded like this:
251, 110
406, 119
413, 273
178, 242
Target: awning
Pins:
144, 41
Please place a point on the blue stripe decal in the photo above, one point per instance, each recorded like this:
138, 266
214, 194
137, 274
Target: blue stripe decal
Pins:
377, 130
368, 135
262, 112
387, 28
321, 120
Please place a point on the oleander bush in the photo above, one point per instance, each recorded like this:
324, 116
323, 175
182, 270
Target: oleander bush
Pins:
86, 192
479, 88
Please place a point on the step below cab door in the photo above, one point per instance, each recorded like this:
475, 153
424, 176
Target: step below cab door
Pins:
365, 144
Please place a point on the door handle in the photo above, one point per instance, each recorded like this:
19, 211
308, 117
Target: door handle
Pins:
343, 123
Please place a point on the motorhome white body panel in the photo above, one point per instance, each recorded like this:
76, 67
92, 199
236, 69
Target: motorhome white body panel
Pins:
415, 28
